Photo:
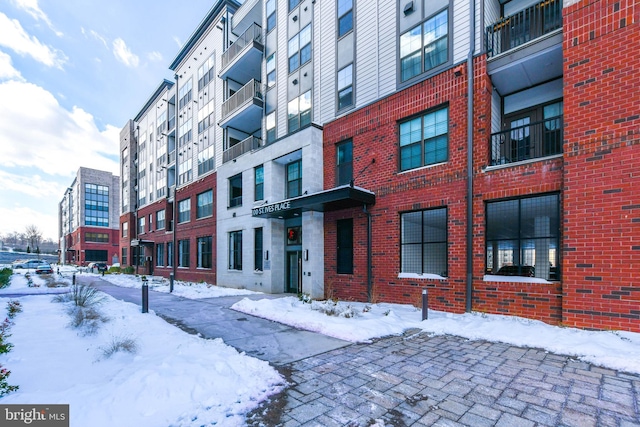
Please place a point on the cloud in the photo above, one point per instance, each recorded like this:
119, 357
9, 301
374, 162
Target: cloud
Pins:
17, 218
123, 54
30, 185
154, 56
36, 131
7, 71
33, 9
96, 36
13, 36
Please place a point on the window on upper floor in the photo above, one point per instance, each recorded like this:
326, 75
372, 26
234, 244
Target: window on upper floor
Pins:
206, 73
205, 116
184, 210
96, 205
141, 224
345, 87
425, 46
294, 179
423, 240
206, 160
125, 229
204, 203
235, 191
424, 140
270, 9
185, 94
258, 173
344, 168
160, 219
300, 49
299, 111
271, 127
271, 70
345, 17
293, 4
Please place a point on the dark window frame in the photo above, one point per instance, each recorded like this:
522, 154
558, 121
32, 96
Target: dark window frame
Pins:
419, 67
426, 144
205, 210
204, 252
344, 165
235, 251
258, 183
426, 244
184, 252
344, 243
258, 249
235, 191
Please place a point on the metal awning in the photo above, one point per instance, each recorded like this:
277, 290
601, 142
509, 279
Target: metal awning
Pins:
343, 197
140, 242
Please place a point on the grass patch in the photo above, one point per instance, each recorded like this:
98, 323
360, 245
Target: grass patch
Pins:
81, 296
87, 319
118, 344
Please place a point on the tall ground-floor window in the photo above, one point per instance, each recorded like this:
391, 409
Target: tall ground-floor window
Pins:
235, 250
169, 254
183, 253
523, 237
424, 242
257, 250
345, 246
124, 257
204, 251
160, 254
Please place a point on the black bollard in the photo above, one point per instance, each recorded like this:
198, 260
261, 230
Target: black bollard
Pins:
425, 304
145, 297
170, 282
73, 279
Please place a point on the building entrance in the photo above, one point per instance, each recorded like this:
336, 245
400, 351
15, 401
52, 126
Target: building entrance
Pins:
294, 272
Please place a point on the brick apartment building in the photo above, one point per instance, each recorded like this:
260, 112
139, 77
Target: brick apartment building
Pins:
485, 151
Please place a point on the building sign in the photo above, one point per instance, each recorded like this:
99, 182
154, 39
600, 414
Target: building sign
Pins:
275, 207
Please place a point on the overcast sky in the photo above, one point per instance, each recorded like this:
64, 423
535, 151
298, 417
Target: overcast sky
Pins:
72, 72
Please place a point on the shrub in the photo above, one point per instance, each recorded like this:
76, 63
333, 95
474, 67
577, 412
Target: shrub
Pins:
13, 308
115, 269
119, 344
5, 388
81, 296
5, 347
129, 269
5, 277
86, 318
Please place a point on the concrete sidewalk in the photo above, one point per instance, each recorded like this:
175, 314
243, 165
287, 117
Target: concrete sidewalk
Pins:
212, 318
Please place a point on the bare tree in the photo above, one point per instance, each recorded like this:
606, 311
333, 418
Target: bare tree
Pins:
34, 236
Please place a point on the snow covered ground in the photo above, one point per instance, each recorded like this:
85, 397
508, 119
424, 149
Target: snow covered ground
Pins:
177, 379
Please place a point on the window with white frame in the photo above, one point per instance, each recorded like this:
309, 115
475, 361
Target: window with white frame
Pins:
160, 219
425, 46
300, 49
424, 242
424, 140
299, 111
206, 73
206, 160
184, 210
204, 204
185, 94
205, 116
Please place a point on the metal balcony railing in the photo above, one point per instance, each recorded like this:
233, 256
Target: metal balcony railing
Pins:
524, 26
253, 33
251, 90
539, 139
244, 146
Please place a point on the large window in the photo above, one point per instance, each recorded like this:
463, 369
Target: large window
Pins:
235, 190
183, 253
141, 225
124, 256
184, 210
257, 249
345, 246
425, 46
424, 242
96, 237
204, 251
206, 73
96, 205
206, 160
344, 168
345, 87
235, 250
125, 229
523, 237
258, 173
271, 14
424, 140
271, 70
299, 111
205, 204
294, 179
160, 254
170, 255
160, 219
300, 49
205, 116
184, 94
345, 17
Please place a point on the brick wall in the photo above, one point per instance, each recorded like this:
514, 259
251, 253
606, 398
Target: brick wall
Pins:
602, 163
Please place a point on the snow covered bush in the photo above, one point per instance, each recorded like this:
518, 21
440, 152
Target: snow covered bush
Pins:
81, 296
13, 308
119, 344
334, 308
88, 319
5, 347
5, 388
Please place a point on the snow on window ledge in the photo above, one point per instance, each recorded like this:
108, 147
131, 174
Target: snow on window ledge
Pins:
514, 279
421, 276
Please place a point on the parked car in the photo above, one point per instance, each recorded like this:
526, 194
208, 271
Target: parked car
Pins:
517, 270
97, 267
32, 263
44, 269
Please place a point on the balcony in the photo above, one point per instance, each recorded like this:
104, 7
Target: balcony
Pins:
243, 110
242, 61
530, 141
525, 49
247, 14
244, 146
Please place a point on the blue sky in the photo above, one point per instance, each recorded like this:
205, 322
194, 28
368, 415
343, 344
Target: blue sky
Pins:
72, 72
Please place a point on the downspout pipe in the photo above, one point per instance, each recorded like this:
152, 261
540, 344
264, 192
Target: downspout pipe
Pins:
369, 262
472, 44
175, 188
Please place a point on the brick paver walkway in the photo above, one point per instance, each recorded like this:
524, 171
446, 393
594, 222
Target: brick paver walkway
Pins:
418, 380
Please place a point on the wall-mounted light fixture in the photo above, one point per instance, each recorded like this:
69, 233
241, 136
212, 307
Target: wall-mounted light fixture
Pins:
306, 254
408, 8
266, 255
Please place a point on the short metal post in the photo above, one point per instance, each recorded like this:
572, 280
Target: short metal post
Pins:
170, 282
425, 304
145, 296
73, 279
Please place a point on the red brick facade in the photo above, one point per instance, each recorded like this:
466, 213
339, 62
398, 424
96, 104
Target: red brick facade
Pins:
78, 245
601, 284
597, 181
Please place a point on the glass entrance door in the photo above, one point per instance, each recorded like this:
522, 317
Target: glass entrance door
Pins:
294, 272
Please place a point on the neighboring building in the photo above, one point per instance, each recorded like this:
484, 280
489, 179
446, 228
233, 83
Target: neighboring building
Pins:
482, 150
88, 218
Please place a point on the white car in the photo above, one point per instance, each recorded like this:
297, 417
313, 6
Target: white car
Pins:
32, 263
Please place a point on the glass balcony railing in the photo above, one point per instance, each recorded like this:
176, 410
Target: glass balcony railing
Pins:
531, 141
524, 26
246, 145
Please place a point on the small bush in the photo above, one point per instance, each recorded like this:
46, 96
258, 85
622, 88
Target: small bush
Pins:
13, 308
119, 344
5, 277
115, 269
87, 318
85, 296
305, 298
5, 388
5, 347
129, 269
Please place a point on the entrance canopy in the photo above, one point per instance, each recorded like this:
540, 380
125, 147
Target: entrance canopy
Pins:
343, 197
140, 242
